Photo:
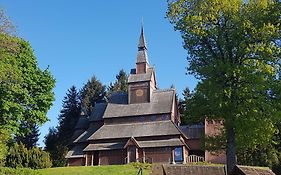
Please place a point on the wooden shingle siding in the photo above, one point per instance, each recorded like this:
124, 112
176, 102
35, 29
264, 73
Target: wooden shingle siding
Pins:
112, 157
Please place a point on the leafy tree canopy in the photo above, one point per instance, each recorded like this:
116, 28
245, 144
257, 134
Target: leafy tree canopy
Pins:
234, 50
25, 90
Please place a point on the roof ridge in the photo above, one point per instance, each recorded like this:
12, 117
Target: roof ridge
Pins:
140, 123
164, 90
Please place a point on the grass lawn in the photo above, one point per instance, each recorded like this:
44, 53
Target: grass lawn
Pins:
94, 170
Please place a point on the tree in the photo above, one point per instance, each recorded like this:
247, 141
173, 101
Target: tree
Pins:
6, 26
25, 90
51, 146
120, 84
234, 50
30, 138
69, 116
58, 140
92, 91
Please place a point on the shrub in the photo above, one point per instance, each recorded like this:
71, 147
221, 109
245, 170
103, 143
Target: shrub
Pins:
20, 157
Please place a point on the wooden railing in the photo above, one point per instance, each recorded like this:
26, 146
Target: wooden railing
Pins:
195, 158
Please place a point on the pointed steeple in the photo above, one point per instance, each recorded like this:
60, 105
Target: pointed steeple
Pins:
142, 42
142, 49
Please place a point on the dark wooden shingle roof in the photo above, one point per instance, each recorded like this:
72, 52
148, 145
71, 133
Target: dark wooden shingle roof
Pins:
160, 128
76, 152
98, 112
105, 146
161, 103
141, 77
160, 143
193, 131
82, 123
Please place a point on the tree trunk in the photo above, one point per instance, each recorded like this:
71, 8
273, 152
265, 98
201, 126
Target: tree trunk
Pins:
230, 149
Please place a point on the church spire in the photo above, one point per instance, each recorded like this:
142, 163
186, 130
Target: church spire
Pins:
142, 42
142, 57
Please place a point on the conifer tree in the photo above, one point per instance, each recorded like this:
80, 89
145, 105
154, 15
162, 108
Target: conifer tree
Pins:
30, 138
92, 91
69, 116
58, 139
120, 84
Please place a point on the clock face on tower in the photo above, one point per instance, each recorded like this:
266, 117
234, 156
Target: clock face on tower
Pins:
139, 92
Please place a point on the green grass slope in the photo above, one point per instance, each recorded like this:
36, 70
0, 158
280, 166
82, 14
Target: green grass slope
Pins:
94, 170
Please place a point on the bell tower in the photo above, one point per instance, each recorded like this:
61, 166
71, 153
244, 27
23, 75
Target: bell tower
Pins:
141, 80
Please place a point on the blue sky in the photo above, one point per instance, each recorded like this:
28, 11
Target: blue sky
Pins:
78, 39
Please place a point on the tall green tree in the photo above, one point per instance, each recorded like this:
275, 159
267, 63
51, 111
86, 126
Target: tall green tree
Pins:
120, 84
69, 116
234, 50
51, 146
25, 90
58, 139
92, 91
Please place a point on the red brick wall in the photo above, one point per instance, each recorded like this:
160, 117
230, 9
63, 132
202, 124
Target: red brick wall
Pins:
76, 162
113, 157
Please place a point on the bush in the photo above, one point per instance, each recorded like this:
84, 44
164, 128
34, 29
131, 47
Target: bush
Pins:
18, 171
21, 157
39, 159
18, 156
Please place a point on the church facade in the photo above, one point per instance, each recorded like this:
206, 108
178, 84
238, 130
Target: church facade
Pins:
142, 125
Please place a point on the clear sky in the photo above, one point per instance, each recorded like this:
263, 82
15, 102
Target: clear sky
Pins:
78, 39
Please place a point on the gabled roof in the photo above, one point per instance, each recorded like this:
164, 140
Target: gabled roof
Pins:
161, 103
133, 141
141, 77
160, 128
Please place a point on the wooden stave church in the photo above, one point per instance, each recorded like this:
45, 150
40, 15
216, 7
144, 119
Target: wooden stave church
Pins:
142, 125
